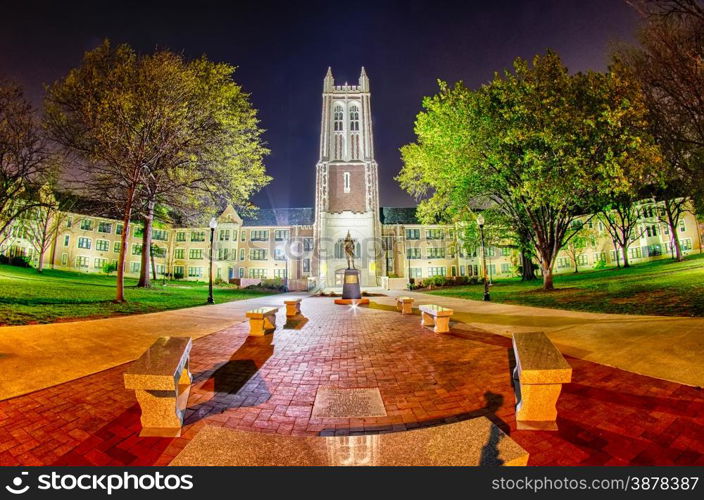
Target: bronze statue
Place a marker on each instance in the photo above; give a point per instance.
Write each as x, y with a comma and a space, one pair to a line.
349, 251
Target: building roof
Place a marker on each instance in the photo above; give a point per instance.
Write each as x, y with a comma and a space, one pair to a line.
280, 217
398, 215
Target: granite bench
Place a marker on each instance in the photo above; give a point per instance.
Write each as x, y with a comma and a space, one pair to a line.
475, 442
436, 316
539, 374
162, 381
405, 305
293, 307
262, 320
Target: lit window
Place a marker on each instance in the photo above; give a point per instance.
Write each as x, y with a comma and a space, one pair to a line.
338, 115
259, 235
354, 117
257, 254
346, 178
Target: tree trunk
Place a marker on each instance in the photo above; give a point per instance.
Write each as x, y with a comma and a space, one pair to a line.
576, 266
624, 250
144, 281
40, 264
547, 277
55, 241
527, 270
678, 248
153, 266
617, 253
120, 288
672, 223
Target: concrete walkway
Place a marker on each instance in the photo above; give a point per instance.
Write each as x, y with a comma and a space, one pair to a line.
669, 348
34, 357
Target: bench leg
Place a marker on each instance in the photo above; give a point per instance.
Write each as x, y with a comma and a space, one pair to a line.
256, 327
292, 310
186, 378
442, 324
536, 409
270, 322
426, 319
399, 306
407, 308
162, 411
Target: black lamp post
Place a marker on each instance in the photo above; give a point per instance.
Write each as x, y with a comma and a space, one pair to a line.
480, 222
213, 224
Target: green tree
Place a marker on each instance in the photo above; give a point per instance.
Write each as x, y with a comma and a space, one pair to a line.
217, 160
126, 118
542, 145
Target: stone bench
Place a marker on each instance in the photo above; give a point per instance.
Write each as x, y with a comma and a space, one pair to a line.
162, 381
405, 305
293, 307
471, 442
436, 316
539, 374
262, 320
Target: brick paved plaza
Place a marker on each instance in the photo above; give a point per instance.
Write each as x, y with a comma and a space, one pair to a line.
606, 416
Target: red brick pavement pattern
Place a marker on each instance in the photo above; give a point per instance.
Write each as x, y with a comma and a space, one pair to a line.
607, 416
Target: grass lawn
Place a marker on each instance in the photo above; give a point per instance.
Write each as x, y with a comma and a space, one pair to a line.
663, 287
29, 297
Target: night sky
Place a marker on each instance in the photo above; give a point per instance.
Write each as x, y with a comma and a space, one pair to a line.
282, 51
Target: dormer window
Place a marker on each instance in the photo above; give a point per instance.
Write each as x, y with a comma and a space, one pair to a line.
338, 117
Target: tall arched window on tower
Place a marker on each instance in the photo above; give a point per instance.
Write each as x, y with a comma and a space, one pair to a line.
346, 182
338, 117
354, 118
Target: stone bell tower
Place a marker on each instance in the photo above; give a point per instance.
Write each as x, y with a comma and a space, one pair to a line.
347, 185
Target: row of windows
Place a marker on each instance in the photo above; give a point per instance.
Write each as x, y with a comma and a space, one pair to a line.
430, 234
470, 270
227, 254
106, 227
104, 246
440, 252
198, 236
193, 271
83, 262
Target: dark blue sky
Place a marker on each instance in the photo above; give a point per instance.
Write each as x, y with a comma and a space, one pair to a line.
283, 50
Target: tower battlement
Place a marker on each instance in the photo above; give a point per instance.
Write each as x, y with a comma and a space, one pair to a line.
329, 83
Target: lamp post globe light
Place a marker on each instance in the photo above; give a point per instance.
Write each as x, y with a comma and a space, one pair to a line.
213, 224
480, 223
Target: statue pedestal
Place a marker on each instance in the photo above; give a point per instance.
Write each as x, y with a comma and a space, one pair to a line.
350, 286
351, 291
